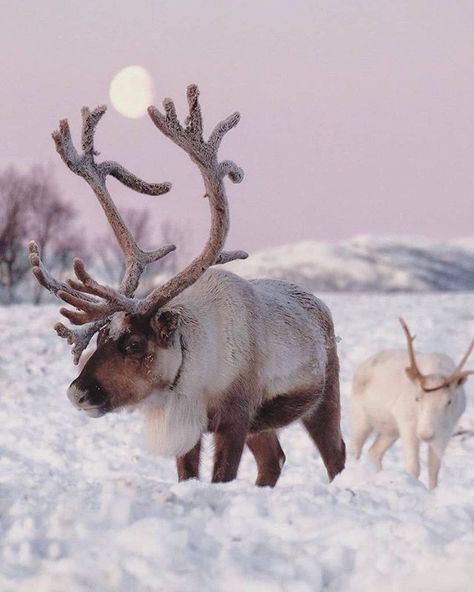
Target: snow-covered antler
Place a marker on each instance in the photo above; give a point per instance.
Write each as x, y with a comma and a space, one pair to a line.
95, 174
204, 154
95, 302
79, 337
45, 278
92, 312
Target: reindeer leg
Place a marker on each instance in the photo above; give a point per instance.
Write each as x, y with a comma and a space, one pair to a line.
188, 464
411, 451
324, 423
229, 445
229, 421
269, 456
323, 426
360, 429
434, 462
380, 446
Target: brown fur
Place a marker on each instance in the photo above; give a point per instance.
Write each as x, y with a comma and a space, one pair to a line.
126, 379
318, 407
284, 409
230, 421
323, 424
269, 456
265, 448
188, 464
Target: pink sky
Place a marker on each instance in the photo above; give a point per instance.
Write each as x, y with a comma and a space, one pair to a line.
357, 117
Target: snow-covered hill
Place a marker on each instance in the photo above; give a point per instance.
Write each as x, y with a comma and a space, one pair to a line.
84, 507
368, 264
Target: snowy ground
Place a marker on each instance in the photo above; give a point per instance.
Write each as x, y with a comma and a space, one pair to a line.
83, 506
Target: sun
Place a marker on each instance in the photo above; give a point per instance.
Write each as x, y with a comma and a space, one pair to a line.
131, 91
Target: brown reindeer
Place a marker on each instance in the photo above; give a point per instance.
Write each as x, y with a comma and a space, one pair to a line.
208, 350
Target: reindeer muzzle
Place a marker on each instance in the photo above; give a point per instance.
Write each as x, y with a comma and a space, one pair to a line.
94, 401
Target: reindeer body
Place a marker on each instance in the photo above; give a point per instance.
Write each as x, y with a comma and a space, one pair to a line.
206, 350
245, 358
388, 401
247, 341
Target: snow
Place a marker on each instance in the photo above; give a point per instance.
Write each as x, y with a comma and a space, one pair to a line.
84, 506
368, 264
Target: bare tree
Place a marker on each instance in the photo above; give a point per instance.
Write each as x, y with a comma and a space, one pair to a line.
13, 228
171, 232
111, 264
30, 203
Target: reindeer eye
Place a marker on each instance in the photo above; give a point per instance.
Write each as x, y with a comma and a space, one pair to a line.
135, 347
417, 399
449, 402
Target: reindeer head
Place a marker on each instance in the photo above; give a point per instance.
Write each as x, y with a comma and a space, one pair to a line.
135, 356
439, 397
139, 347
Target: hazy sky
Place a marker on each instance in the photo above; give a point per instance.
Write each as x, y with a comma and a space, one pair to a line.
357, 116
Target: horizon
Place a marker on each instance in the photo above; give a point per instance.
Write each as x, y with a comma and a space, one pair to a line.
374, 97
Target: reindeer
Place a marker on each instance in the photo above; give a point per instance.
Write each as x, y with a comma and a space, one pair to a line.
419, 403
207, 350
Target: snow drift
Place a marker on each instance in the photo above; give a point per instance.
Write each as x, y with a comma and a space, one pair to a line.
84, 507
368, 264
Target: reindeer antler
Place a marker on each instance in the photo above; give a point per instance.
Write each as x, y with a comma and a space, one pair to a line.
93, 312
204, 154
413, 369
95, 174
456, 375
96, 302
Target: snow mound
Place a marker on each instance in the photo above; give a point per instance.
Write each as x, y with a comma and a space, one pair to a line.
84, 507
368, 264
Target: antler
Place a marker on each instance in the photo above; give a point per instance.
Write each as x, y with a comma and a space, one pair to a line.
79, 338
204, 154
96, 302
93, 312
95, 174
45, 278
413, 369
456, 375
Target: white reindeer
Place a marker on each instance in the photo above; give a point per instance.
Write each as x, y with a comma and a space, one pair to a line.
207, 350
421, 402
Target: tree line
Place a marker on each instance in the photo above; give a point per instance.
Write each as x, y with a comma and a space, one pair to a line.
32, 207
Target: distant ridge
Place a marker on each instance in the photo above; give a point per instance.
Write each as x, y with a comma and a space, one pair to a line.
368, 264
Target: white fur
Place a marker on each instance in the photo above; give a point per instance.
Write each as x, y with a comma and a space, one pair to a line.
174, 424
387, 401
231, 327
117, 325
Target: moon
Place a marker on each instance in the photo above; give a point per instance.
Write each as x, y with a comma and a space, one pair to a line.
131, 91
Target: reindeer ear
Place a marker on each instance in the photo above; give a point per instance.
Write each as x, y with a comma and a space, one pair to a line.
164, 324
